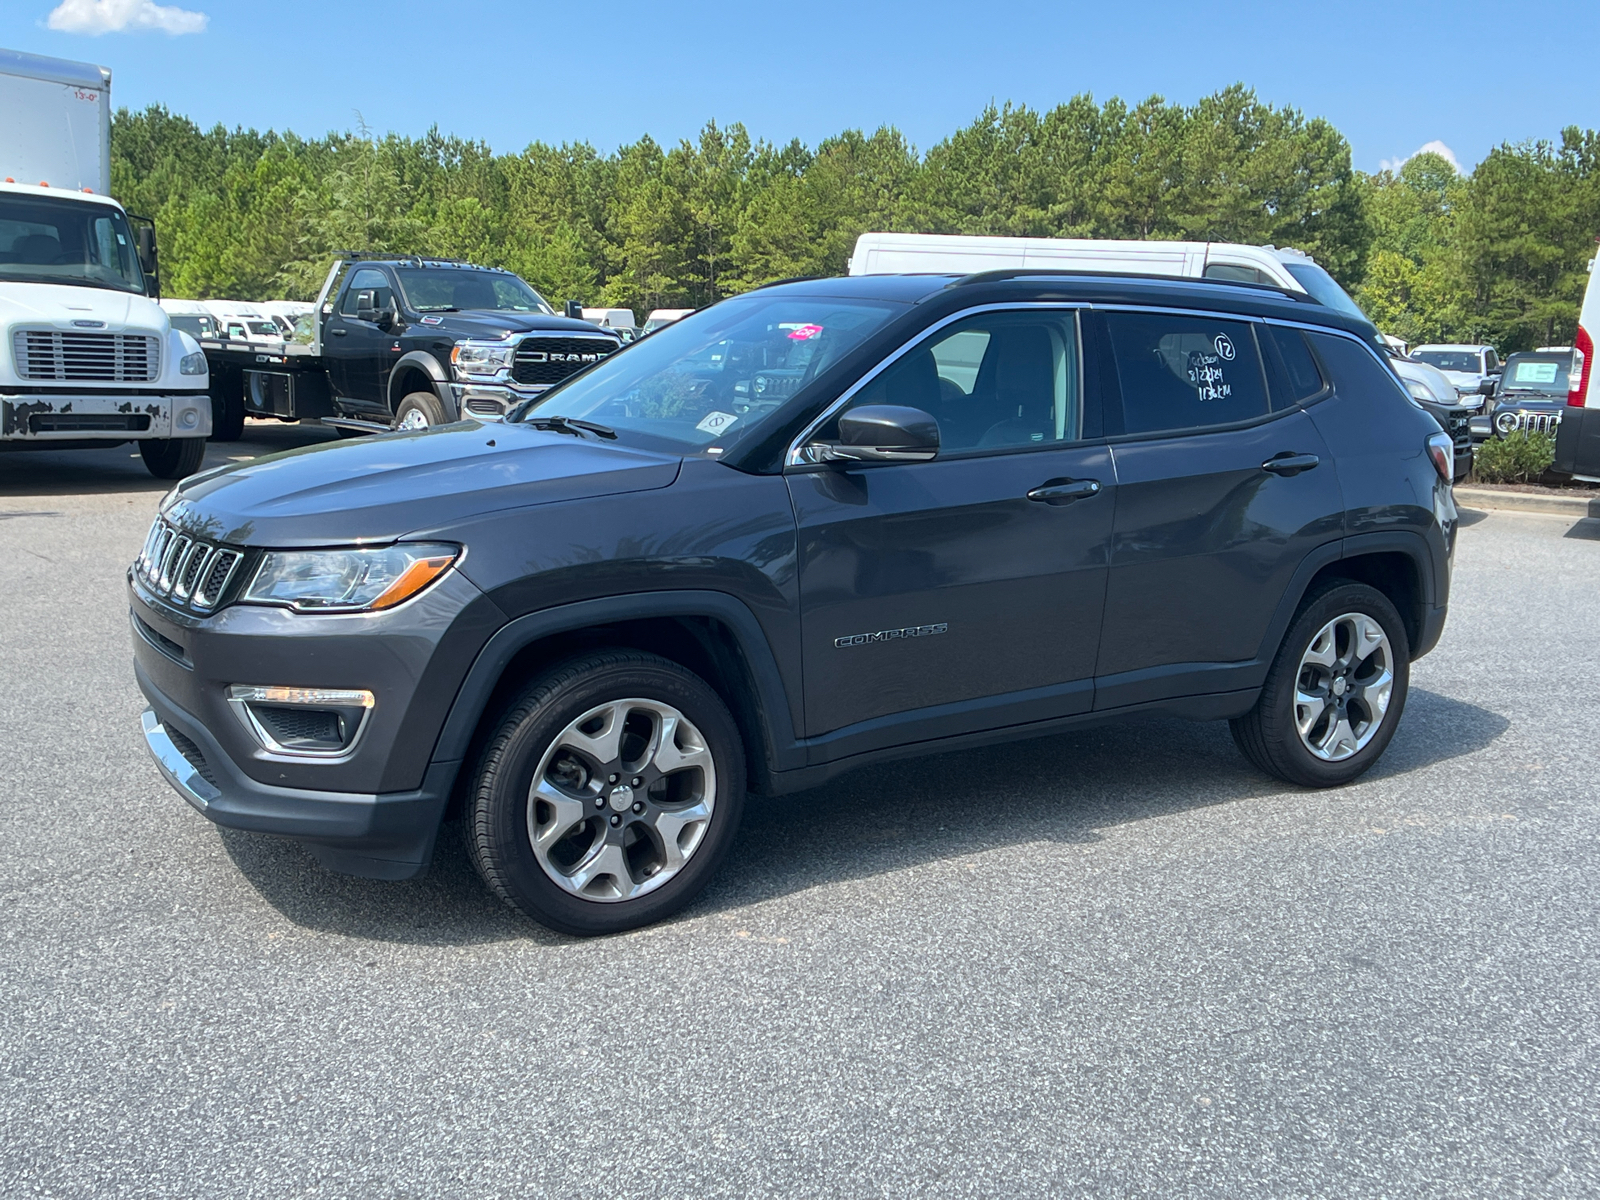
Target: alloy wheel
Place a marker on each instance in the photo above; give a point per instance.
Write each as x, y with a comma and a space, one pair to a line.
621, 801
414, 419
1344, 685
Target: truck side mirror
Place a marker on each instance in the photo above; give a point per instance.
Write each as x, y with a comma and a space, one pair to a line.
575, 309
1486, 388
367, 304
144, 244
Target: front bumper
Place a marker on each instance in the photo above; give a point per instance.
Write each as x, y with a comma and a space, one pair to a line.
44, 417
492, 401
373, 811
377, 835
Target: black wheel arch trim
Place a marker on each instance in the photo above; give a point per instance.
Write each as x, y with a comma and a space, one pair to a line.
438, 378
782, 750
1411, 544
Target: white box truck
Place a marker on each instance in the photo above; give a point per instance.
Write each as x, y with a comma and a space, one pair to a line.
88, 358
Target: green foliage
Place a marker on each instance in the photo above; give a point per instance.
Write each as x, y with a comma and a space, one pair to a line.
1520, 457
1499, 255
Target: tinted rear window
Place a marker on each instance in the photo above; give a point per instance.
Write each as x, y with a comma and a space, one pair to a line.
1303, 379
1185, 372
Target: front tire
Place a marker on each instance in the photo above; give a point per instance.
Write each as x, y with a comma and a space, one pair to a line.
1335, 692
419, 410
173, 458
608, 794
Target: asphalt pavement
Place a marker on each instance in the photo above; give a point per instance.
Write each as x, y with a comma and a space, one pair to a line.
1114, 962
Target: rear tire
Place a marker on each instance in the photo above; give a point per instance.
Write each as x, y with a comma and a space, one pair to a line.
419, 410
608, 794
1345, 658
173, 458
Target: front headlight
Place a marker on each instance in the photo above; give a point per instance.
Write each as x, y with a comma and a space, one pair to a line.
355, 580
482, 359
1420, 390
192, 364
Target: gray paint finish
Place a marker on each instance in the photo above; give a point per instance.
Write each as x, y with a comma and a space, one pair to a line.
1112, 962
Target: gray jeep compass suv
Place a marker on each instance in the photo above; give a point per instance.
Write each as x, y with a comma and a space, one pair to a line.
820, 524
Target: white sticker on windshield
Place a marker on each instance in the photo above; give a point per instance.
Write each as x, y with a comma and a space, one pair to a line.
1535, 372
716, 422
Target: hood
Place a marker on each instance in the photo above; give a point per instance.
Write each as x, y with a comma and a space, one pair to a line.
59, 305
1463, 379
490, 324
381, 488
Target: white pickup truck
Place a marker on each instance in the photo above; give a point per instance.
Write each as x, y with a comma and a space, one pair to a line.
87, 357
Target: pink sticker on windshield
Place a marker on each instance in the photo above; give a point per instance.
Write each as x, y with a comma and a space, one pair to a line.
801, 333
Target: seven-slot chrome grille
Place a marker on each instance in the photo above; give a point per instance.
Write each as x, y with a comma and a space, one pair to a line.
186, 571
54, 354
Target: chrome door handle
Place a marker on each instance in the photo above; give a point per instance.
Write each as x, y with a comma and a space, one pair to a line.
1064, 491
338, 332
1290, 464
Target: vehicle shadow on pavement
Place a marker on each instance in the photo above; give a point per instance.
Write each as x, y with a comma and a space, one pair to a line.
120, 469
1068, 787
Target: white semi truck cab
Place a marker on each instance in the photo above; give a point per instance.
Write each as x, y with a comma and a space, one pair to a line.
88, 358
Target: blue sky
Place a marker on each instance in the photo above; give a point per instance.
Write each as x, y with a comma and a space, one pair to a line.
1392, 77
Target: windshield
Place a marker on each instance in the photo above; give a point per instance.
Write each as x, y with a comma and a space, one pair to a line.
450, 289
200, 326
718, 375
1325, 289
44, 240
1451, 360
1543, 373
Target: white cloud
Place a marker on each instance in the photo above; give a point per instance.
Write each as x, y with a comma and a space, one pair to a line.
117, 16
1439, 148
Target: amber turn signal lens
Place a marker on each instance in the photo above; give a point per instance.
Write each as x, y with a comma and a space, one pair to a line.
413, 579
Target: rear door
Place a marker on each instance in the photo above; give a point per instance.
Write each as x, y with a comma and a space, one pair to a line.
1219, 500
964, 593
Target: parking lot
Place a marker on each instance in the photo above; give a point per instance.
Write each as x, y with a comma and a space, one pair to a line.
1109, 962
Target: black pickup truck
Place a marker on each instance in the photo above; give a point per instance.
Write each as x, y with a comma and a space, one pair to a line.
405, 343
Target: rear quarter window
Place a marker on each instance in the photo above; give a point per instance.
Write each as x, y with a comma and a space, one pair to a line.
1353, 369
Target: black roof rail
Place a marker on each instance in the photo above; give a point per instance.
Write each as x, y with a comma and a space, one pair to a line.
420, 260
1005, 274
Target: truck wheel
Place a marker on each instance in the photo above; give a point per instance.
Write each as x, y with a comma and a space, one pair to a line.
1335, 692
419, 410
173, 458
227, 417
608, 794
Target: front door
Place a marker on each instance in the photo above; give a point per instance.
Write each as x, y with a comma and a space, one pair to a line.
359, 351
1219, 501
938, 597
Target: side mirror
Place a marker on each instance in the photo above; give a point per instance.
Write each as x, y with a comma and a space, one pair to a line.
144, 246
880, 433
1486, 388
574, 309
386, 318
367, 305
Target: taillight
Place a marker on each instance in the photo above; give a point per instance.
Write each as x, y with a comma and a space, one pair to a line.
1443, 452
1582, 360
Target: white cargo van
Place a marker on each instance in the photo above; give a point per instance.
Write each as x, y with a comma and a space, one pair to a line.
935, 253
1578, 436
87, 356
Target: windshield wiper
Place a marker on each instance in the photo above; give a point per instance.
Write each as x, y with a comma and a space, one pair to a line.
573, 426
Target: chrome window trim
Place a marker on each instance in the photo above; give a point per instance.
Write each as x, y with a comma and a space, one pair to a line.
792, 457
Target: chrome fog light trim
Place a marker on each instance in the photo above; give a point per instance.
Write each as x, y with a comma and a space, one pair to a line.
348, 707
